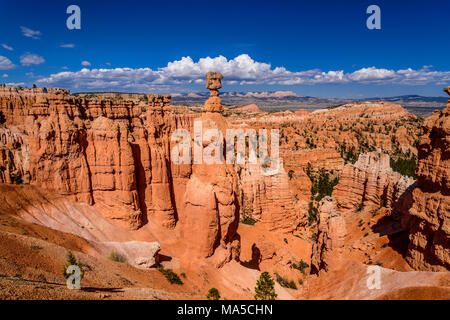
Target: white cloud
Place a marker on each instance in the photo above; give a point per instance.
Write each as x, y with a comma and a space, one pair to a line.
7, 47
67, 45
6, 64
240, 70
27, 32
5, 75
27, 59
15, 84
85, 63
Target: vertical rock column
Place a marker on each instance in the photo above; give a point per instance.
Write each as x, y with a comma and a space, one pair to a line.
159, 197
211, 213
429, 246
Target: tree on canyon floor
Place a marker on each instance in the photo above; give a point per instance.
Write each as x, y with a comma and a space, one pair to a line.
72, 261
213, 294
265, 287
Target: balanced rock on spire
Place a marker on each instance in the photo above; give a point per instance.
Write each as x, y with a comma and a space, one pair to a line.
213, 83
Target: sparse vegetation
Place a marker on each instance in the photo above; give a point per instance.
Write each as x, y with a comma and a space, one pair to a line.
285, 282
322, 183
171, 276
360, 207
213, 294
291, 174
265, 288
404, 166
301, 266
249, 220
312, 213
118, 257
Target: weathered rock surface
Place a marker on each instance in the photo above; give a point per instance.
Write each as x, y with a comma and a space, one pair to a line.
430, 213
211, 214
328, 249
370, 183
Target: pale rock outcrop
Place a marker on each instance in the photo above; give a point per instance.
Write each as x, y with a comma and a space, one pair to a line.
371, 183
327, 251
269, 199
140, 254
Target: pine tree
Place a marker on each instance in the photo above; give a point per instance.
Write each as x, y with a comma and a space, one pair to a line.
213, 294
71, 260
265, 287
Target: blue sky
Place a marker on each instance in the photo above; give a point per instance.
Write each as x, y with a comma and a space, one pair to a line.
317, 48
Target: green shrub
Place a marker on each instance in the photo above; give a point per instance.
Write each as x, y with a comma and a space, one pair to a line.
248, 220
265, 288
360, 207
291, 174
72, 261
116, 256
171, 276
301, 266
285, 282
213, 294
322, 185
312, 214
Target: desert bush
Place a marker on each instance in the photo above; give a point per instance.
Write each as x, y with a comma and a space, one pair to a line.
118, 257
171, 276
248, 220
284, 282
301, 266
213, 294
265, 288
72, 261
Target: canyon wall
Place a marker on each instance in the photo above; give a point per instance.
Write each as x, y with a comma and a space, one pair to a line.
370, 183
429, 217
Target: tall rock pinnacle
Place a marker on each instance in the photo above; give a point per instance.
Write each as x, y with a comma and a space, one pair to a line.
213, 83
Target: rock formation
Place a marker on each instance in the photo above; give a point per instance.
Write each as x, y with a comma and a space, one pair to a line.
430, 213
211, 213
370, 183
328, 249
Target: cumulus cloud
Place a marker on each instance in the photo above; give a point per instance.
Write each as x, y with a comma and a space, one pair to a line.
240, 70
7, 47
27, 59
27, 32
6, 64
85, 63
5, 75
67, 45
